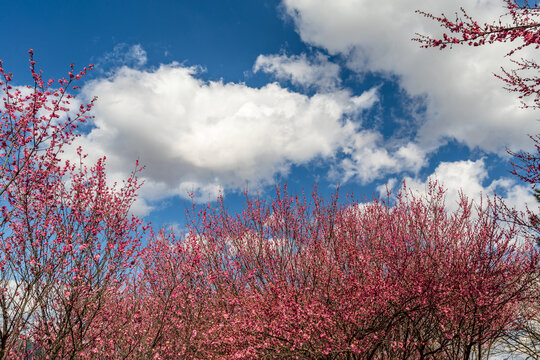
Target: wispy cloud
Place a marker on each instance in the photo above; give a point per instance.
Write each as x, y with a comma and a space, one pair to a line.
368, 158
314, 72
133, 56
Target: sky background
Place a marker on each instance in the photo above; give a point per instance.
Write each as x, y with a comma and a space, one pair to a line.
226, 95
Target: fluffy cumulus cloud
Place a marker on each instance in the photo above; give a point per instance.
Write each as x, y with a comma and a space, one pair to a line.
464, 100
316, 72
200, 137
470, 177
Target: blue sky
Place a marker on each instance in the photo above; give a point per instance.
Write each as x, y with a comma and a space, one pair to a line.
219, 95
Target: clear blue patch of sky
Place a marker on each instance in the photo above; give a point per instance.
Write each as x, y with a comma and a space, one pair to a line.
223, 37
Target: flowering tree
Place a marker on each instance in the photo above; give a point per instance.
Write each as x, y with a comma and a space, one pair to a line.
66, 238
303, 279
168, 311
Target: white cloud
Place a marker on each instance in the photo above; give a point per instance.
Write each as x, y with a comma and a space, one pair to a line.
315, 72
469, 177
137, 54
202, 137
368, 159
464, 100
122, 55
